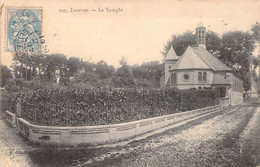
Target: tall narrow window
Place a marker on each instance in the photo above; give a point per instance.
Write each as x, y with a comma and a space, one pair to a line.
204, 77
200, 76
172, 78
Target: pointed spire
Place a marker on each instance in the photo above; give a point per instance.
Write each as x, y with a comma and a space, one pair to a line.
171, 55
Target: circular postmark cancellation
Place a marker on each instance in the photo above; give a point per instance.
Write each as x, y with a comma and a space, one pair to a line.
27, 40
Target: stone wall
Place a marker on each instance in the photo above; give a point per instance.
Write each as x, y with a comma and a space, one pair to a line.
10, 118
236, 97
79, 135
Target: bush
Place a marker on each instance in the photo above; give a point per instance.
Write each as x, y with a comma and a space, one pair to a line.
5, 100
95, 106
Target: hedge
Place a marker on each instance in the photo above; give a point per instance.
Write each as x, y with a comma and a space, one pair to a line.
106, 106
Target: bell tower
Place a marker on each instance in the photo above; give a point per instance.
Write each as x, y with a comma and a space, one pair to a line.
201, 35
169, 61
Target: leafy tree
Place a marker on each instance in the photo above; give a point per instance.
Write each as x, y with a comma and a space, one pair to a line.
213, 43
5, 74
74, 65
85, 80
123, 77
236, 52
256, 31
182, 41
57, 69
104, 70
148, 74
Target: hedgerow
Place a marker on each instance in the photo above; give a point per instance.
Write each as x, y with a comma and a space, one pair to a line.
99, 106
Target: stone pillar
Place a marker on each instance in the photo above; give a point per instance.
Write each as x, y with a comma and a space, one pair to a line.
230, 96
18, 107
226, 92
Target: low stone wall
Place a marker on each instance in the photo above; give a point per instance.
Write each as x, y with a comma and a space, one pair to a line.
236, 97
224, 101
11, 118
103, 133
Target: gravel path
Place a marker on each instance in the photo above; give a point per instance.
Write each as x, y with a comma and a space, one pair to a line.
14, 147
228, 139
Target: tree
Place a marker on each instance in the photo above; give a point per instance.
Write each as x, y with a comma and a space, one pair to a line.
28, 66
74, 65
85, 79
57, 69
255, 29
5, 74
236, 52
123, 78
104, 70
256, 60
213, 43
148, 74
182, 41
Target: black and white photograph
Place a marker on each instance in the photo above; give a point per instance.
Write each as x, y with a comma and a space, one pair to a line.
129, 83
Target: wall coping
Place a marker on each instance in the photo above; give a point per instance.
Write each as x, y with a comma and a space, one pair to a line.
8, 112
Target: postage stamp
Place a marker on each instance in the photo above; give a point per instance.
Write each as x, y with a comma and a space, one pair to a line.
24, 29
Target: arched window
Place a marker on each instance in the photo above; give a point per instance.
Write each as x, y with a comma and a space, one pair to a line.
199, 76
204, 77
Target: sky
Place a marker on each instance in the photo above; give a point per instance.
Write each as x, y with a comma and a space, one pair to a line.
138, 32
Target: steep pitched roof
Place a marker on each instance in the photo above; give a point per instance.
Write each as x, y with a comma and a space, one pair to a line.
190, 60
199, 58
171, 55
211, 60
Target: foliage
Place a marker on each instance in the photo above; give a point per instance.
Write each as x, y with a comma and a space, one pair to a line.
86, 79
180, 43
6, 101
105, 105
5, 74
213, 43
104, 70
256, 31
236, 52
74, 65
147, 75
123, 78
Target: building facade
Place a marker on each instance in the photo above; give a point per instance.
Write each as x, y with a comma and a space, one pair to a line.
198, 68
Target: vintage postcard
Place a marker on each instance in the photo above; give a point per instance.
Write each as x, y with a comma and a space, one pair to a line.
129, 83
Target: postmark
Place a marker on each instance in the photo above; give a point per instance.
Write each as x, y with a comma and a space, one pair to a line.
24, 30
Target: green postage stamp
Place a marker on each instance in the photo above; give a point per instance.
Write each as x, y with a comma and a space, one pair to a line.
24, 29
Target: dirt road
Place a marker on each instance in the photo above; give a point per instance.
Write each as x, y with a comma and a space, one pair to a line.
226, 138
231, 138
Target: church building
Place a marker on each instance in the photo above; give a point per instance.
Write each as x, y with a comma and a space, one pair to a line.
198, 68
